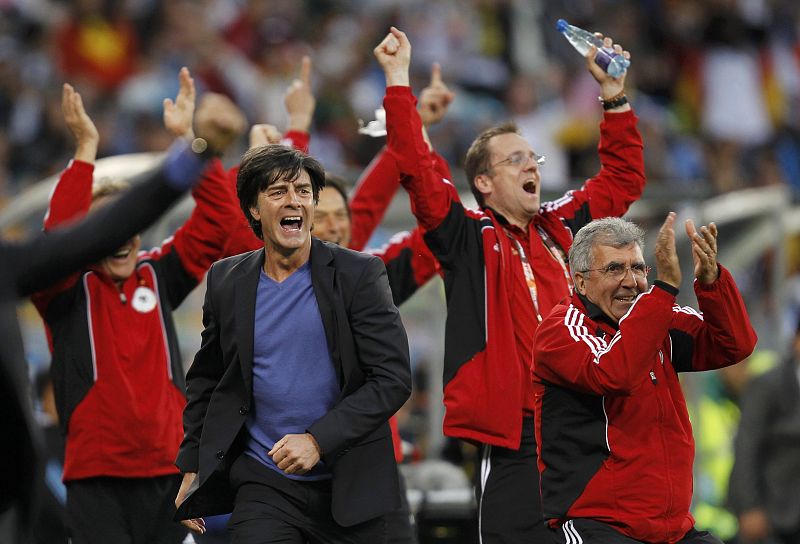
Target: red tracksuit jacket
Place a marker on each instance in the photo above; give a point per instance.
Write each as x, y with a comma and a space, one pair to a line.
117, 369
486, 381
613, 433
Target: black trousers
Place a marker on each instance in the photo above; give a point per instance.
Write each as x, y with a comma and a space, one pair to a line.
271, 508
400, 525
507, 493
124, 511
579, 531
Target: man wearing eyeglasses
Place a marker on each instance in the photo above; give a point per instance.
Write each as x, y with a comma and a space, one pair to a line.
505, 269
615, 442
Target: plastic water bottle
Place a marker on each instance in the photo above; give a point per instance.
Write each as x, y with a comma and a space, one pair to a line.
582, 40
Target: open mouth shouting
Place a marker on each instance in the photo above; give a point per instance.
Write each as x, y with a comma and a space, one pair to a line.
292, 223
530, 186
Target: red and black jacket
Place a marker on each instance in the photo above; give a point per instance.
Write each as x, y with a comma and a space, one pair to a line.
614, 439
117, 369
485, 379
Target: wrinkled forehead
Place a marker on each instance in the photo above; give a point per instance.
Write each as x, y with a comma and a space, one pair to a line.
603, 255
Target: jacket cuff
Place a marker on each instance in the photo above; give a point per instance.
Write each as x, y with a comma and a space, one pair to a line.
182, 166
666, 287
81, 166
722, 271
188, 460
620, 118
399, 90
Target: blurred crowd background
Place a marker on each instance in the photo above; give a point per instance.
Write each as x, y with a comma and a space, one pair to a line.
715, 83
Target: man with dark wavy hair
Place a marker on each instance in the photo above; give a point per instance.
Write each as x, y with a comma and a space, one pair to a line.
303, 360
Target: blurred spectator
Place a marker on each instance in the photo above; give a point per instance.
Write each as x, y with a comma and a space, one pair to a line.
716, 413
766, 476
502, 56
97, 43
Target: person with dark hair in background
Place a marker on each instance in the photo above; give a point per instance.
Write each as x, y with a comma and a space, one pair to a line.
31, 265
765, 479
504, 269
117, 369
614, 439
303, 360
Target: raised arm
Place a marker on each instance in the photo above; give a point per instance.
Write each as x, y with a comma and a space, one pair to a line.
434, 101
72, 194
432, 196
722, 335
202, 238
179, 114
379, 182
299, 100
621, 179
37, 263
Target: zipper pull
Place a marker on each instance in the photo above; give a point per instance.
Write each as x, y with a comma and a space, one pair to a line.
653, 377
122, 298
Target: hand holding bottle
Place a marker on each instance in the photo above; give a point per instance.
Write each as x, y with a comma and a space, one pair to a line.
607, 62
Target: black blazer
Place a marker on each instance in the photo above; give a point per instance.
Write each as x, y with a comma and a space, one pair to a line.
368, 345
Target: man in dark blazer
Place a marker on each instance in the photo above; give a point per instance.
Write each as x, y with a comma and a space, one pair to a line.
303, 360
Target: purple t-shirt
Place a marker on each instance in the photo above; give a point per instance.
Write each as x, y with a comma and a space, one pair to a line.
294, 381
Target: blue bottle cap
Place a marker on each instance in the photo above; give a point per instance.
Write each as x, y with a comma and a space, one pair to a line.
561, 25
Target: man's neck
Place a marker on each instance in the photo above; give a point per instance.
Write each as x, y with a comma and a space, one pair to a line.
279, 265
519, 222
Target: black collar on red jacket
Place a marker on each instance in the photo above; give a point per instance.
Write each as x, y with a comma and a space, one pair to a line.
594, 312
513, 229
598, 316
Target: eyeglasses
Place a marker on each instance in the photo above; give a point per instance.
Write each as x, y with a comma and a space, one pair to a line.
520, 158
617, 271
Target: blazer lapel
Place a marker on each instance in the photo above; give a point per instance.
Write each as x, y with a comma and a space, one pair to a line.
245, 292
322, 278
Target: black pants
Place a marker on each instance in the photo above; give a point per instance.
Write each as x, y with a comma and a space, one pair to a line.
124, 511
507, 491
578, 531
400, 526
271, 508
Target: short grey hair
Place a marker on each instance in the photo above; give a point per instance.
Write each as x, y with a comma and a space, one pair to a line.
609, 231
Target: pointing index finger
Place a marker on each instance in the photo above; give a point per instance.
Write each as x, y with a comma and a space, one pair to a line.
436, 74
305, 70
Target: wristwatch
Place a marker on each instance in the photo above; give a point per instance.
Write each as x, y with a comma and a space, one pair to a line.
613, 102
201, 148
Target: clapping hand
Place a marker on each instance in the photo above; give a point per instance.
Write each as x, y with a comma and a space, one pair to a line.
704, 251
